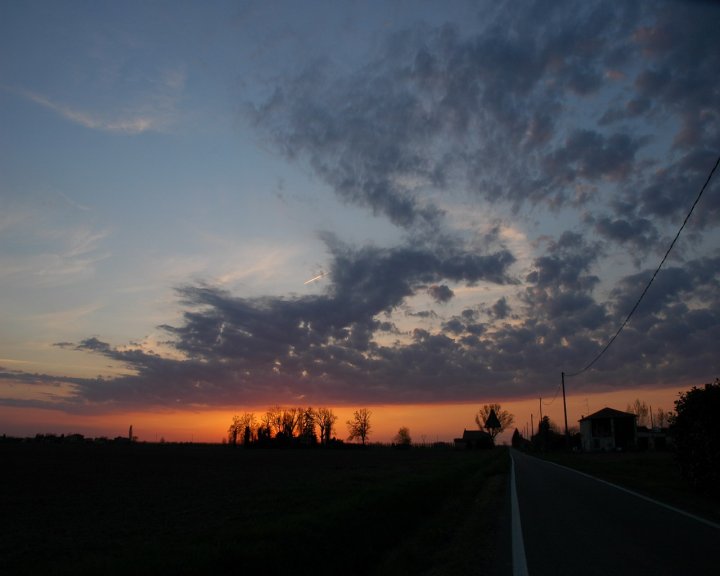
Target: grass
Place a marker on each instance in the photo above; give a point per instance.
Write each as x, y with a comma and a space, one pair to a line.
653, 474
193, 509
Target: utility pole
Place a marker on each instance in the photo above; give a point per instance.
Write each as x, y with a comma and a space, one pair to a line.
567, 436
532, 426
540, 413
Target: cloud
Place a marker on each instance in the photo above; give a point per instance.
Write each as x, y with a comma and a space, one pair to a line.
130, 124
501, 309
267, 350
601, 116
537, 107
41, 245
441, 293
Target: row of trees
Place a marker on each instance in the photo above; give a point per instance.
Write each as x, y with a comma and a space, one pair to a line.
303, 425
309, 425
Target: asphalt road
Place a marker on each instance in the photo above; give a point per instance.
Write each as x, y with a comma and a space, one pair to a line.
576, 525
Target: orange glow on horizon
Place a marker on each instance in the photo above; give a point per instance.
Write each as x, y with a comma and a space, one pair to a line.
427, 423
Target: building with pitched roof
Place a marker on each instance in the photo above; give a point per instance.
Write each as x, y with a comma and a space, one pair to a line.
608, 429
474, 439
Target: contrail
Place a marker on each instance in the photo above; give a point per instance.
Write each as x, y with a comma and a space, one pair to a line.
315, 278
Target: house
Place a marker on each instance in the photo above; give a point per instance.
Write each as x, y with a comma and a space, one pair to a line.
473, 439
608, 429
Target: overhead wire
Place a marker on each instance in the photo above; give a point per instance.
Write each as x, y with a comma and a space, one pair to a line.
647, 287
557, 390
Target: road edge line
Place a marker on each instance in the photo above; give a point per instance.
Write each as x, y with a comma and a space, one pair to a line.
642, 496
519, 561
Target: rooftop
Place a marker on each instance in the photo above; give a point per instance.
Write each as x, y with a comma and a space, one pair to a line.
608, 413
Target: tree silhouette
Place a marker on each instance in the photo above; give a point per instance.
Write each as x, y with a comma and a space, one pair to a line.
272, 421
244, 427
697, 436
641, 410
359, 426
326, 421
234, 430
402, 438
505, 419
306, 424
516, 441
289, 421
661, 418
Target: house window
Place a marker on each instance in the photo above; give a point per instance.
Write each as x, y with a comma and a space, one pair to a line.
601, 428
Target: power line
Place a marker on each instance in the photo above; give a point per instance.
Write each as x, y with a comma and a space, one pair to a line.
553, 398
599, 355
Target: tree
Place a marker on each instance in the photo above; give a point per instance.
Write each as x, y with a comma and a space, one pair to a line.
546, 426
548, 437
325, 421
505, 419
234, 430
661, 418
359, 426
517, 439
306, 424
244, 427
272, 421
641, 410
697, 436
402, 438
289, 420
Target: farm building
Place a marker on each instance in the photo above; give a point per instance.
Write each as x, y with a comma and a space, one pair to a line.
472, 439
608, 429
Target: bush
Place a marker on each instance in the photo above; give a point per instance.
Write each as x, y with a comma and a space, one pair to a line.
697, 436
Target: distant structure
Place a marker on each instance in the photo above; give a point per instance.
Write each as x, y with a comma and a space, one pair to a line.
474, 439
130, 436
608, 429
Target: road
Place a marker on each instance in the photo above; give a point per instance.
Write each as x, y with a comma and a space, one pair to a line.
576, 525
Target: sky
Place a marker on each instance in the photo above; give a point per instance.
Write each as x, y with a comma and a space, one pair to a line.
417, 207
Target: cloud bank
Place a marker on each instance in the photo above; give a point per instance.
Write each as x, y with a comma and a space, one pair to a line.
601, 116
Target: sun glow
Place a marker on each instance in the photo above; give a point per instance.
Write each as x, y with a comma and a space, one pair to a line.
427, 423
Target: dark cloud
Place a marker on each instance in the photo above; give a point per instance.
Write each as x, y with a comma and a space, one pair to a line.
496, 113
422, 313
440, 293
566, 264
501, 309
270, 350
590, 155
630, 229
93, 345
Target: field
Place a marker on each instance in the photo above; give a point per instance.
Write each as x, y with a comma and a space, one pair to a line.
202, 509
654, 474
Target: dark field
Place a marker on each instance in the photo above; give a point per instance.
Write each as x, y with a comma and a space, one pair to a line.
194, 509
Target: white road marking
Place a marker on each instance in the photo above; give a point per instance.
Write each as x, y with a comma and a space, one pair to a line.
628, 491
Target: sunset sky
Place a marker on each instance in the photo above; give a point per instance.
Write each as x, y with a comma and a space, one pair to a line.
416, 207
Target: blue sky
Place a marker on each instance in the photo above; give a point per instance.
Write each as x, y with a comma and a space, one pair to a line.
482, 189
